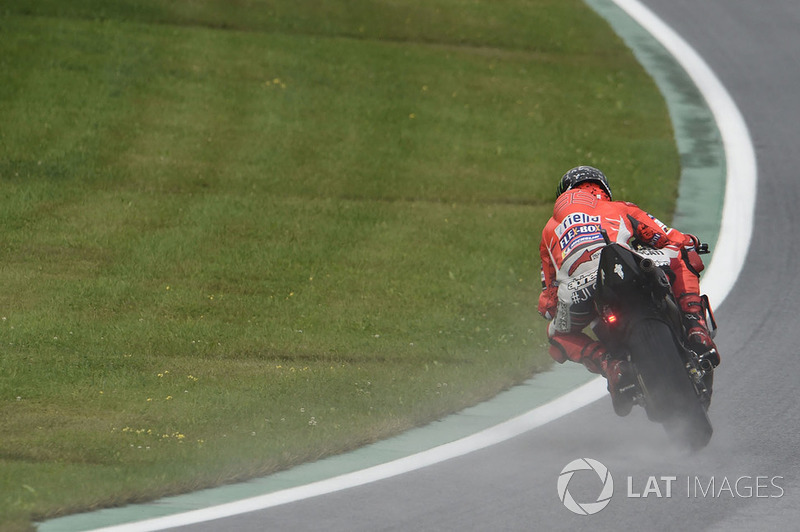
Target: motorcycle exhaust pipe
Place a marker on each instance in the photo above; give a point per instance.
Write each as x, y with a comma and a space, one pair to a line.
650, 268
705, 365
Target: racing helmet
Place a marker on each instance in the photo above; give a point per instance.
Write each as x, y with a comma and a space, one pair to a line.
582, 174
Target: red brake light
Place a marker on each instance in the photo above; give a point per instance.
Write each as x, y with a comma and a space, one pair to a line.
609, 317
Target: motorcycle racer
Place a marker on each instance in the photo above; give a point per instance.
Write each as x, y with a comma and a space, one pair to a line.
570, 253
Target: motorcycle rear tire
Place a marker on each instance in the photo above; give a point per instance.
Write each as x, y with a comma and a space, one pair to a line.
670, 396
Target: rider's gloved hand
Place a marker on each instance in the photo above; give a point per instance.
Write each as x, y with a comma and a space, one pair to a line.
548, 302
691, 242
690, 247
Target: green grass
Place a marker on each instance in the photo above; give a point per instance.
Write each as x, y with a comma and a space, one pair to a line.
238, 236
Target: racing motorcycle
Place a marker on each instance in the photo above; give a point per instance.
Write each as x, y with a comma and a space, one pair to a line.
641, 322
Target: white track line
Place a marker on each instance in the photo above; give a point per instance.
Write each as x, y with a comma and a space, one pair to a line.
729, 254
579, 397
736, 228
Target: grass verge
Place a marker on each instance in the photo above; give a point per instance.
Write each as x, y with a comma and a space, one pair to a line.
238, 237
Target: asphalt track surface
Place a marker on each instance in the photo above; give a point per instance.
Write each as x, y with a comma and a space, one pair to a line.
748, 478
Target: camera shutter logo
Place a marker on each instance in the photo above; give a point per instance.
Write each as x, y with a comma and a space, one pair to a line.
585, 508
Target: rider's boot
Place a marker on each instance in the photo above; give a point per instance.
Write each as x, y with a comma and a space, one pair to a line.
591, 353
620, 384
617, 373
697, 333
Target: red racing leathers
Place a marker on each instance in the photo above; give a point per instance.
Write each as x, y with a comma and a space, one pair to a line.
570, 253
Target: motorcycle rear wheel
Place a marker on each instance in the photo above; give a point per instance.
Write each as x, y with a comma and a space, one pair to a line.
670, 396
